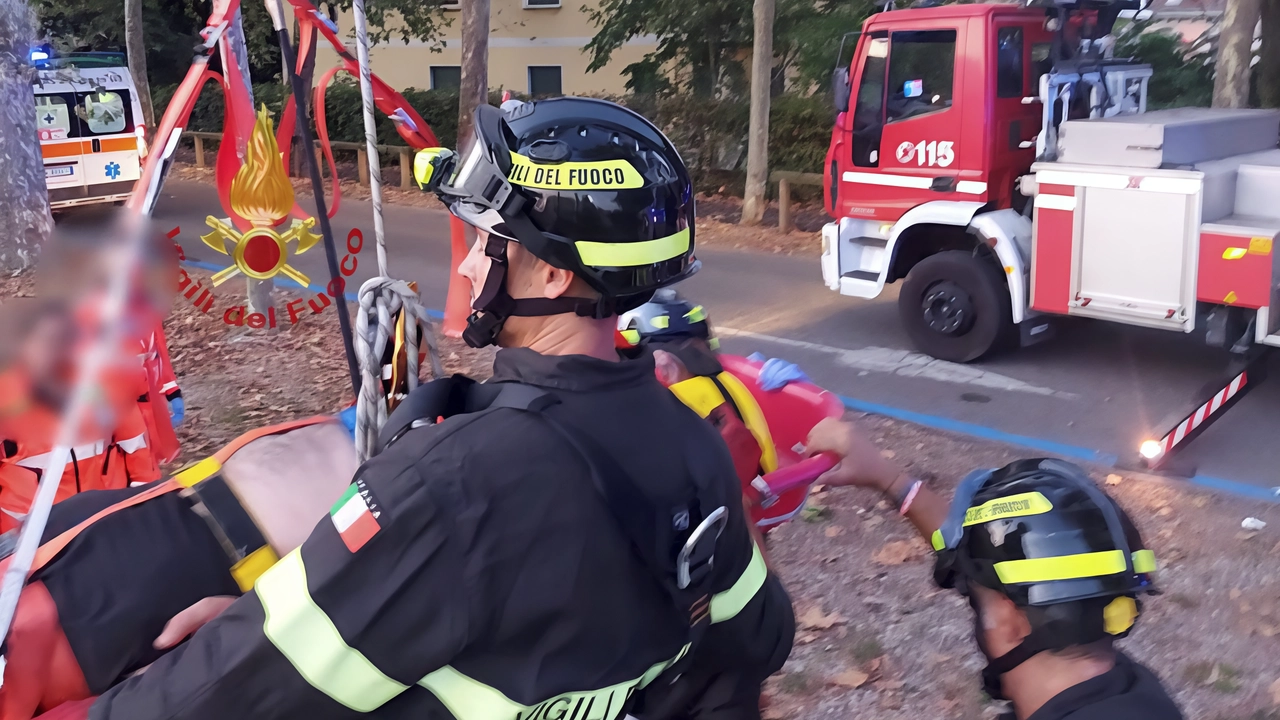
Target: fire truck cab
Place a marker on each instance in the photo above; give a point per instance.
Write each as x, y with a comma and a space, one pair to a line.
1000, 162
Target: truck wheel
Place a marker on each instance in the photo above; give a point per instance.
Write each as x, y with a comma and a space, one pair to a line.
955, 306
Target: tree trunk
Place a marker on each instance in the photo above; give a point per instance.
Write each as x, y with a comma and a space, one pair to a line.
1269, 64
25, 222
755, 199
1235, 41
136, 49
474, 89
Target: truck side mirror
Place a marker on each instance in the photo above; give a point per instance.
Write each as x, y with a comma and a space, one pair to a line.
840, 88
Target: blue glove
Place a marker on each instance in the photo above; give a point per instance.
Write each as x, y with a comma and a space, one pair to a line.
777, 373
348, 418
177, 411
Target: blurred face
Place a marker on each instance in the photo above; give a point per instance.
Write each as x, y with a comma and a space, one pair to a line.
46, 354
527, 277
1001, 625
669, 368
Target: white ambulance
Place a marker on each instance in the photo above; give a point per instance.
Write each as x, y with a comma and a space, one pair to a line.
92, 133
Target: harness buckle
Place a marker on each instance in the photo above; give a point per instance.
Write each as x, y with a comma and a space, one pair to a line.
767, 496
697, 557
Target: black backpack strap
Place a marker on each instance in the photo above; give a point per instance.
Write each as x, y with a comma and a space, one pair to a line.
675, 540
444, 397
458, 395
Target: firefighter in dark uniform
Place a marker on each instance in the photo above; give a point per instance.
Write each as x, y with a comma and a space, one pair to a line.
119, 571
1052, 567
558, 542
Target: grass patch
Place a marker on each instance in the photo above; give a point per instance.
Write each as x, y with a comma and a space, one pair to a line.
815, 513
866, 649
1221, 677
796, 683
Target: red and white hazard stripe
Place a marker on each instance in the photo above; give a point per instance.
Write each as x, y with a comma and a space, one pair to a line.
1202, 413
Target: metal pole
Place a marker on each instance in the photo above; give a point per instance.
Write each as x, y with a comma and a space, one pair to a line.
370, 132
336, 287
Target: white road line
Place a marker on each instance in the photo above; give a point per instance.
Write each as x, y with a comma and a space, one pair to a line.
908, 364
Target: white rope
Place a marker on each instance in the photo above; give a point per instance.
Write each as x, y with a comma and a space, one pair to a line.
370, 131
380, 299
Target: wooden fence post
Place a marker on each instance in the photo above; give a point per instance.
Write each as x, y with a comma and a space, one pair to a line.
199, 151
319, 158
362, 165
784, 205
406, 168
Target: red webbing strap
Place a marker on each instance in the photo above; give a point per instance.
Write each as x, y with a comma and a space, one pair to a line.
322, 134
223, 455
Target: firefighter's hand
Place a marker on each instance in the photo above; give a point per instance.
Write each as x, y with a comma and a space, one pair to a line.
191, 620
861, 463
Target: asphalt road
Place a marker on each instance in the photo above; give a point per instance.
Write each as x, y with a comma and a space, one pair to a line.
1096, 390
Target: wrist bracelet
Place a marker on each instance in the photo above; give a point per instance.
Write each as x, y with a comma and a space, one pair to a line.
910, 497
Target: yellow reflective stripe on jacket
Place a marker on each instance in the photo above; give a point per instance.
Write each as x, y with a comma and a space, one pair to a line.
937, 542
305, 635
632, 254
702, 396
470, 699
726, 605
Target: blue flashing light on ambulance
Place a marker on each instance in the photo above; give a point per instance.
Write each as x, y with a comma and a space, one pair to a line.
90, 124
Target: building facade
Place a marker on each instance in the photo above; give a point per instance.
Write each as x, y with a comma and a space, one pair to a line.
535, 47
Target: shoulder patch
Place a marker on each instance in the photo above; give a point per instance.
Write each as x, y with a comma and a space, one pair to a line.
356, 516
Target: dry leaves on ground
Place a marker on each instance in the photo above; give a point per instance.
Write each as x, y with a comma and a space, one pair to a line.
851, 679
816, 619
898, 552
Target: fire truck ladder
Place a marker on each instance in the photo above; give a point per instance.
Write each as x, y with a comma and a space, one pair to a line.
1245, 372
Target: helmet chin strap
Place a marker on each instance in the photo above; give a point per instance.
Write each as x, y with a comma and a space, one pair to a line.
494, 304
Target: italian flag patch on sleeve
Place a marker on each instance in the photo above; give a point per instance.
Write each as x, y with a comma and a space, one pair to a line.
356, 516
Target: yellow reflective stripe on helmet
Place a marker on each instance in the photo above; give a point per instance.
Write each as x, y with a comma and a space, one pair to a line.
201, 470
726, 605
937, 542
1144, 561
753, 418
696, 315
302, 632
631, 336
1063, 567
595, 175
632, 254
1021, 505
661, 322
470, 699
424, 165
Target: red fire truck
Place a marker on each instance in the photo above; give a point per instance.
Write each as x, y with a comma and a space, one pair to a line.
1000, 162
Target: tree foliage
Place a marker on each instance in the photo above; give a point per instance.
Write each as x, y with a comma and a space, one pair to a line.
704, 42
172, 27
1182, 72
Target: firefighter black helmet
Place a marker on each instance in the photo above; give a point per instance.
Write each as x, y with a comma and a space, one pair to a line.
666, 317
587, 186
1044, 535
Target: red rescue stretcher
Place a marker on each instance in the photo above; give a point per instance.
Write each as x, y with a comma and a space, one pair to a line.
791, 413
